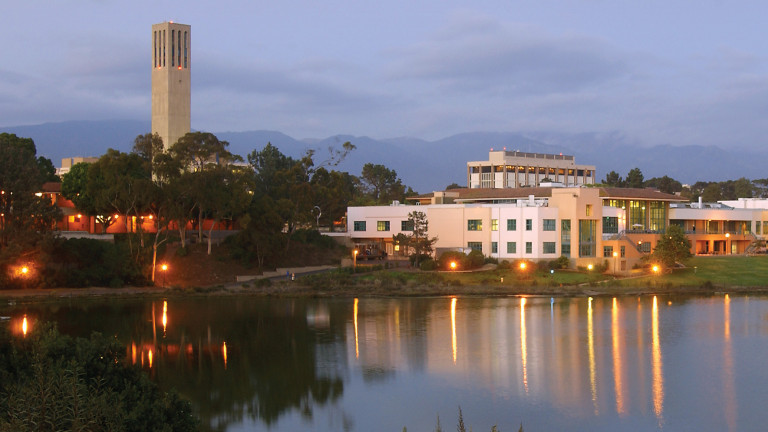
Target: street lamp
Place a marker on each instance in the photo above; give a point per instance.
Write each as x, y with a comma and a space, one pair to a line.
453, 265
354, 259
655, 269
164, 268
589, 267
615, 255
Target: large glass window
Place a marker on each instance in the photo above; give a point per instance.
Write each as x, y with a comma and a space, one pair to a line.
478, 246
549, 247
382, 226
474, 225
549, 225
494, 224
637, 215
610, 225
511, 247
511, 224
587, 240
565, 237
658, 214
359, 225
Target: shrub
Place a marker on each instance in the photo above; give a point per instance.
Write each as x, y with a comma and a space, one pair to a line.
475, 259
453, 256
417, 259
561, 263
428, 265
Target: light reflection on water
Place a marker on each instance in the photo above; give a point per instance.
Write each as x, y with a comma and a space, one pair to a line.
630, 363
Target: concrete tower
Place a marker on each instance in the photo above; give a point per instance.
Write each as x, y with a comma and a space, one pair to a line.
171, 83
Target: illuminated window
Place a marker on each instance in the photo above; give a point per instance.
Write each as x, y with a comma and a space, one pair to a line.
474, 225
608, 251
382, 226
494, 224
589, 210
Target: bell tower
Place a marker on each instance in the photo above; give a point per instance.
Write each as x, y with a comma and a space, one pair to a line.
171, 83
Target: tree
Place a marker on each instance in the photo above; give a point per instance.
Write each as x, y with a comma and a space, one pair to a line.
24, 215
454, 186
83, 188
381, 183
713, 192
664, 184
613, 179
224, 193
673, 246
419, 240
634, 178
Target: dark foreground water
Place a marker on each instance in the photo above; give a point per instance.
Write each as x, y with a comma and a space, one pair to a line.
631, 364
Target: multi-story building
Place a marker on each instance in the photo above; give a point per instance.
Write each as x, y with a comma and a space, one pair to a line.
588, 225
512, 169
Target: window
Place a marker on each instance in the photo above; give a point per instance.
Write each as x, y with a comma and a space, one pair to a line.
478, 246
608, 251
757, 227
494, 247
528, 247
589, 210
587, 240
359, 225
565, 237
494, 224
645, 247
474, 225
623, 251
511, 247
511, 224
549, 225
658, 215
406, 225
610, 225
529, 224
382, 226
549, 247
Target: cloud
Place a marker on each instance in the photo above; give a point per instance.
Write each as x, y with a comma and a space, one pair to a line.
481, 54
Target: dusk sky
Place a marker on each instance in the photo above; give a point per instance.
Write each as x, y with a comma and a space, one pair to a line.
660, 72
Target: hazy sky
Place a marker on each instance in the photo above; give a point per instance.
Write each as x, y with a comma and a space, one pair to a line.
661, 72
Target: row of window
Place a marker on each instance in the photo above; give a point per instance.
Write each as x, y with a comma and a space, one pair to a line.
406, 225
546, 247
530, 170
477, 225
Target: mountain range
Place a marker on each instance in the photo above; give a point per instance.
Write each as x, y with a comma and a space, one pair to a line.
426, 165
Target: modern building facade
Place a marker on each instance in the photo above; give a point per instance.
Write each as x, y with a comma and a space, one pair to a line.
512, 169
617, 226
171, 81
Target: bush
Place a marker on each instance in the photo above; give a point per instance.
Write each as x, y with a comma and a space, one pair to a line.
428, 265
417, 259
561, 263
65, 384
453, 256
475, 259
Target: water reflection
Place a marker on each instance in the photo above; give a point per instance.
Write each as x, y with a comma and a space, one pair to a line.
379, 364
656, 366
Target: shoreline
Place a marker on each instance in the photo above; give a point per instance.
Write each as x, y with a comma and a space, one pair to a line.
298, 290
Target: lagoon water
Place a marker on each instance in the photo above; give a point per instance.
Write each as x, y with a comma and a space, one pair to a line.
630, 363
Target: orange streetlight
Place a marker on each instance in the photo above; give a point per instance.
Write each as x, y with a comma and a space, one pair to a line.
615, 255
453, 265
655, 269
522, 266
164, 268
354, 259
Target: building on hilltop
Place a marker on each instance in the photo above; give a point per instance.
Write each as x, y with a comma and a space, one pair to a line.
513, 169
171, 81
